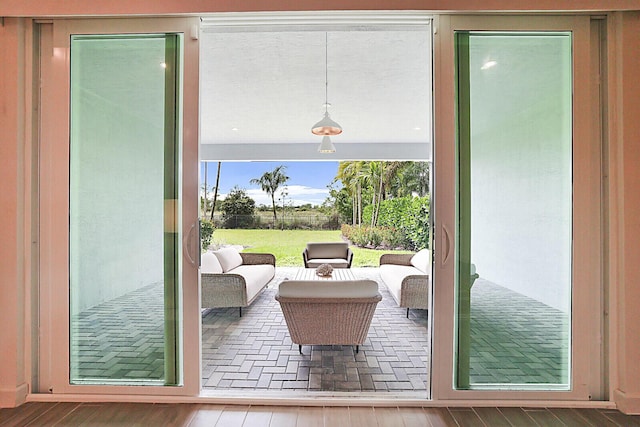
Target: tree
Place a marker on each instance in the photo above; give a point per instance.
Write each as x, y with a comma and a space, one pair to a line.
238, 209
269, 182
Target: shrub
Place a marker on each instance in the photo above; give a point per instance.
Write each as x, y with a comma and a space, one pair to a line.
206, 233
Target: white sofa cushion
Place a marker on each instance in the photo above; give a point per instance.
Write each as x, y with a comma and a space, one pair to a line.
335, 262
209, 263
393, 274
422, 261
328, 289
256, 277
229, 258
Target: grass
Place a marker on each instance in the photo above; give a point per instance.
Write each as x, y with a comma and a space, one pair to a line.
287, 245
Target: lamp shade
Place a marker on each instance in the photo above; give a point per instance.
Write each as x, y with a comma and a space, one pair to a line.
326, 146
326, 126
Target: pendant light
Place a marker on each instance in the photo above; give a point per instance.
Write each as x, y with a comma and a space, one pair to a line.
326, 126
326, 146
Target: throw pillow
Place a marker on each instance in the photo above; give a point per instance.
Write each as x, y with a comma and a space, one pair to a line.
422, 261
229, 258
209, 263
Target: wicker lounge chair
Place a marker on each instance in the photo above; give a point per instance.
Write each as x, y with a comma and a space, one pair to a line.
328, 312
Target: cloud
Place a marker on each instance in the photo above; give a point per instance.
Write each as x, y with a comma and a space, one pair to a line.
296, 195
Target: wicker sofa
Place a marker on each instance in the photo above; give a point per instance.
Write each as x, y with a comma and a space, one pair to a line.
407, 278
337, 254
231, 279
337, 313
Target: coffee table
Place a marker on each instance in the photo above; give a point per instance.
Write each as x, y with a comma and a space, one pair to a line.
337, 274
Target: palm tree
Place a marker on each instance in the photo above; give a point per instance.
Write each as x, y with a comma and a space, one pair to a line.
353, 176
269, 182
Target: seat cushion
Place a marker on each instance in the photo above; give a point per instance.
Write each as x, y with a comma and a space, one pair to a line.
328, 289
209, 263
392, 276
256, 277
229, 258
334, 262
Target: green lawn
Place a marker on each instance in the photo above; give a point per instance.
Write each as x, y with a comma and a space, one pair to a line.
287, 245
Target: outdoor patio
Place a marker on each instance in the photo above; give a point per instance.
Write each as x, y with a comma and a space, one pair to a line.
514, 339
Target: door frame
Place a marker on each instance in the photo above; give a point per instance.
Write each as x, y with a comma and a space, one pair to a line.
586, 372
54, 354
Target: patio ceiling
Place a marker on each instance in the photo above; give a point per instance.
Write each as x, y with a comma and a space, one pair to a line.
262, 88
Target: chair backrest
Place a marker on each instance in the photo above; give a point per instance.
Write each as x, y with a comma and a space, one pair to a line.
328, 289
327, 250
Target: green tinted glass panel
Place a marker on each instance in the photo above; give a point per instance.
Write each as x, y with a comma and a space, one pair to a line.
515, 210
123, 210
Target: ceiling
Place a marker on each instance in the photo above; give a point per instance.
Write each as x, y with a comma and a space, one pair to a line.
267, 86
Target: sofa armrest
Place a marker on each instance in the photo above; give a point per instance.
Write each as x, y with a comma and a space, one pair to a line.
305, 257
249, 258
349, 257
398, 259
223, 290
415, 291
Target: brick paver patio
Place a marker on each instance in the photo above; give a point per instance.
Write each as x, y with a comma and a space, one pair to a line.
514, 339
256, 352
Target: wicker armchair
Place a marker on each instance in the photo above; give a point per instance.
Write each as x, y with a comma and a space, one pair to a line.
336, 254
238, 287
329, 313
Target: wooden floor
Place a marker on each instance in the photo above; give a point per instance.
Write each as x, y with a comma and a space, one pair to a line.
140, 414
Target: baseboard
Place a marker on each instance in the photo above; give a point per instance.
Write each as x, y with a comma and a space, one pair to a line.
628, 403
10, 398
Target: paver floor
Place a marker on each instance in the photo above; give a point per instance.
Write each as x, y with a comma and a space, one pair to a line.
514, 339
255, 351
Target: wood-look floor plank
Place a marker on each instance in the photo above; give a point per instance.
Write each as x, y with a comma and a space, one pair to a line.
466, 417
54, 415
544, 418
258, 416
24, 414
122, 414
414, 417
82, 415
440, 417
284, 416
206, 415
571, 417
336, 416
362, 416
596, 417
232, 416
620, 418
492, 417
312, 416
388, 417
174, 415
517, 417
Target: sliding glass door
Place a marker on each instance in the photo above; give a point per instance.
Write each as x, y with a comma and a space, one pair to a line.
517, 276
125, 209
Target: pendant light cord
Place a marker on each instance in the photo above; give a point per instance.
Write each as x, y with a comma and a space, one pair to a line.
326, 72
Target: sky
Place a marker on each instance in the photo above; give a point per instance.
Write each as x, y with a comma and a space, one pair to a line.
307, 182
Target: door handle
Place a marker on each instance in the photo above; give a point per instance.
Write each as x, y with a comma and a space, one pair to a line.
446, 245
188, 243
